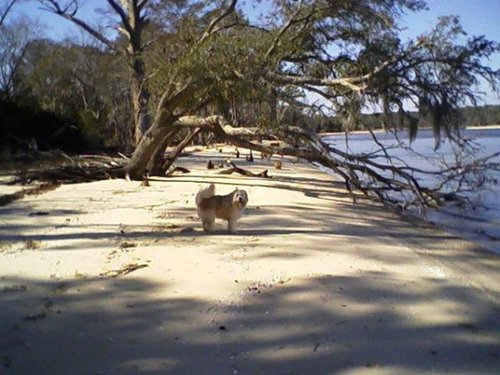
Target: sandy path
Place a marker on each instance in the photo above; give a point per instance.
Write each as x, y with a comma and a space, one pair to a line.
310, 285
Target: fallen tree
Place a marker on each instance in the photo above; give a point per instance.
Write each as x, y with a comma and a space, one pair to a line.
397, 186
363, 173
347, 53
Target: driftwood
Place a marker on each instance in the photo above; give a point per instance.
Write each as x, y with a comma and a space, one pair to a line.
244, 172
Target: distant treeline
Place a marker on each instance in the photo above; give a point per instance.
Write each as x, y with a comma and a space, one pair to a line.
25, 127
471, 116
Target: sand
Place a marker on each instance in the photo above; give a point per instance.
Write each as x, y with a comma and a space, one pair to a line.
114, 277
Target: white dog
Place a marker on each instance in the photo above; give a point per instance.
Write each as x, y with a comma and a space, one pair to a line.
228, 207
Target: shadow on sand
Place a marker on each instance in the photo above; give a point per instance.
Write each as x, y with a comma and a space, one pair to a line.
321, 326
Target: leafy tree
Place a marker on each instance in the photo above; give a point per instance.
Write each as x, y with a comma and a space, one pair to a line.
350, 54
208, 59
78, 82
131, 20
354, 57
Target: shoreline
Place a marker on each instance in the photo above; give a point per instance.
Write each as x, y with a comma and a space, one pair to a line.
470, 128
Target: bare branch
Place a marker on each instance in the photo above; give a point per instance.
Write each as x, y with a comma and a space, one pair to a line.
53, 6
211, 27
123, 16
355, 84
6, 10
291, 21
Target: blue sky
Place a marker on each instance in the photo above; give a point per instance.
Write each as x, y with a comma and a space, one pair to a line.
478, 17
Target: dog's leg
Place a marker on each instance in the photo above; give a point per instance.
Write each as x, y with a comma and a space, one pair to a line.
207, 226
231, 225
208, 221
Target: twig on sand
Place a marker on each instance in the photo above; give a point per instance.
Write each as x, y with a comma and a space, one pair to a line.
125, 270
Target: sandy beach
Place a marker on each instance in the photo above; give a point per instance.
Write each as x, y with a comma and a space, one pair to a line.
114, 277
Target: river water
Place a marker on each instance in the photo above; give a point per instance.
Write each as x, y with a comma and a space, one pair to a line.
480, 221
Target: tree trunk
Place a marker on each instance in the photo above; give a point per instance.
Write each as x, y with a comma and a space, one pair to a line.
155, 164
139, 91
147, 146
140, 99
180, 147
165, 121
133, 19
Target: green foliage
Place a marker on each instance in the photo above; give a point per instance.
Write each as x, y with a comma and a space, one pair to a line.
229, 63
81, 83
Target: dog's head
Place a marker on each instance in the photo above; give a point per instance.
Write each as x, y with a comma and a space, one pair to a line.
240, 198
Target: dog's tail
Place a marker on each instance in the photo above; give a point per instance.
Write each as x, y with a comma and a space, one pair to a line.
205, 193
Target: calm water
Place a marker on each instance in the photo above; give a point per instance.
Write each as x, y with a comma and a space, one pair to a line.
479, 222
